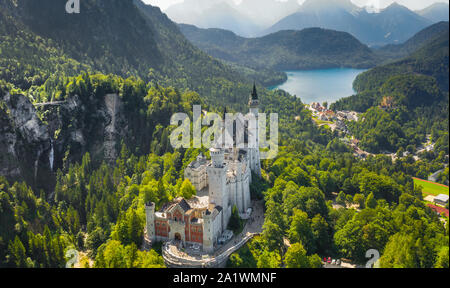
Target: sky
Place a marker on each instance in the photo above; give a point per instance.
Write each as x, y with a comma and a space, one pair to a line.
411, 4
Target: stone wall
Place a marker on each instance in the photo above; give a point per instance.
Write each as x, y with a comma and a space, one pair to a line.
219, 261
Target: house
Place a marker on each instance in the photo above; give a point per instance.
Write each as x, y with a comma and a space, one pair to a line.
441, 199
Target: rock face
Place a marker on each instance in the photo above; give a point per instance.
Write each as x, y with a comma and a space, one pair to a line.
94, 125
112, 133
25, 141
32, 149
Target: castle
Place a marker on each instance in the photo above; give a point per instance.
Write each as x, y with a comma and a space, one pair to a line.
227, 177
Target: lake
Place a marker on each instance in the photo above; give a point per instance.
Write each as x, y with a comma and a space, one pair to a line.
320, 85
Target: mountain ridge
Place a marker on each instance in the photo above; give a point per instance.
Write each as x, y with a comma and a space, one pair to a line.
284, 50
437, 12
394, 24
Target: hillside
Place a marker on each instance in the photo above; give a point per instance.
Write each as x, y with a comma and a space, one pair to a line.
436, 12
285, 50
431, 60
413, 44
403, 102
126, 38
394, 24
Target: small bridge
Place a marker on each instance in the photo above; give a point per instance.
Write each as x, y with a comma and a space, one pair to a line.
56, 103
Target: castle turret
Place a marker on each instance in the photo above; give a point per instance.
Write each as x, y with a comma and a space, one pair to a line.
208, 232
217, 157
150, 221
217, 175
254, 102
254, 157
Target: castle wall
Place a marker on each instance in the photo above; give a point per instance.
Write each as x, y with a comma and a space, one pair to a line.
198, 177
150, 221
217, 227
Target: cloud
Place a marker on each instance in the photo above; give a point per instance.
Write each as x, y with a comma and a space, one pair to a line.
412, 4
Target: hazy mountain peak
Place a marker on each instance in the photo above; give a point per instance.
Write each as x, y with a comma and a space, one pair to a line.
436, 12
320, 5
396, 7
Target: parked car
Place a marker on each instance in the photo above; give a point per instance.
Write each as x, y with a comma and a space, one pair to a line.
338, 262
333, 262
329, 260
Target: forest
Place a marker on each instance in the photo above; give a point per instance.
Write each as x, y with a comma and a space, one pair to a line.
404, 101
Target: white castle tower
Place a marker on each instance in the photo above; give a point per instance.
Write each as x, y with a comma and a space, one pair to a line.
217, 176
150, 221
208, 232
254, 157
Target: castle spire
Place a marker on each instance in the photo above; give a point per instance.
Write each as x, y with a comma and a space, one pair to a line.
254, 93
254, 102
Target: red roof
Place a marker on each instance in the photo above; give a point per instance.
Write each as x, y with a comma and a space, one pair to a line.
439, 209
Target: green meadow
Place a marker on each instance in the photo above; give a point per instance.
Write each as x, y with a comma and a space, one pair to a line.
431, 188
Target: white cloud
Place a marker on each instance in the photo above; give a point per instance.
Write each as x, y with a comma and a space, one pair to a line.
412, 4
163, 4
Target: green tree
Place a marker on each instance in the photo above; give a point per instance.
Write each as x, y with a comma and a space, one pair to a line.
296, 257
442, 258
272, 235
359, 199
301, 230
17, 253
371, 202
341, 198
235, 222
269, 259
187, 190
321, 234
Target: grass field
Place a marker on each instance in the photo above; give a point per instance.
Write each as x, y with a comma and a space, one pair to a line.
320, 122
431, 188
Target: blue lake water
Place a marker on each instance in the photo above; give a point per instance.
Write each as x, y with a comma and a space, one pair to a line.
320, 85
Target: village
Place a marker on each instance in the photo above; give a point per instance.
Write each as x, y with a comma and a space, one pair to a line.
337, 121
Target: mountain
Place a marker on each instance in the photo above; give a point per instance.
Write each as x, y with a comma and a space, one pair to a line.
285, 50
213, 14
390, 52
420, 79
90, 82
432, 60
256, 10
122, 37
436, 12
334, 14
51, 109
394, 24
247, 18
403, 101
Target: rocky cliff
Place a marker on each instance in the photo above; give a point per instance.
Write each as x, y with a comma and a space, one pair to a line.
32, 149
25, 143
